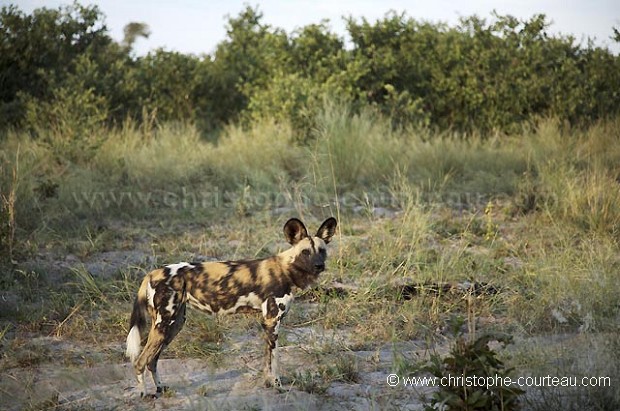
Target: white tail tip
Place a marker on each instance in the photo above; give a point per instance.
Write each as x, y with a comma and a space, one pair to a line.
133, 344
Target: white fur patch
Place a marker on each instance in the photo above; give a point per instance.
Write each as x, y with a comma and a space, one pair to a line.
286, 300
150, 294
133, 344
174, 268
170, 306
251, 300
264, 308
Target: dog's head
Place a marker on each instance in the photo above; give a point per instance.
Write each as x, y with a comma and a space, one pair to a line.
309, 252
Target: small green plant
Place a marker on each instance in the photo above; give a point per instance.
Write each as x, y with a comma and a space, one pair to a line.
89, 287
344, 369
310, 382
471, 361
169, 393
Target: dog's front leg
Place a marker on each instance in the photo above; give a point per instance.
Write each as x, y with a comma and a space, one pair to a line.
271, 325
272, 378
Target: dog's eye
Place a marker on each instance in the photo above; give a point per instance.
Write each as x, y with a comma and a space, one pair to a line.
305, 252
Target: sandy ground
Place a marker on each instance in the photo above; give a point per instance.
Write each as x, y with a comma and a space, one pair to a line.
198, 385
95, 376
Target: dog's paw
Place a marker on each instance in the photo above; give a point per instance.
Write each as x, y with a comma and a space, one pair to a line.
273, 382
163, 389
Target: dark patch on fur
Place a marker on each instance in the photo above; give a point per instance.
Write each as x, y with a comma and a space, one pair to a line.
272, 308
197, 268
138, 317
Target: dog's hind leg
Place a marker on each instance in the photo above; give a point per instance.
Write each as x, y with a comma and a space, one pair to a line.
173, 329
149, 355
161, 334
152, 366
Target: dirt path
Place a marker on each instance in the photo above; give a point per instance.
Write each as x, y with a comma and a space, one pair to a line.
195, 384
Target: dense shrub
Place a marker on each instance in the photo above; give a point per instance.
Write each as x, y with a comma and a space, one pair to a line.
488, 76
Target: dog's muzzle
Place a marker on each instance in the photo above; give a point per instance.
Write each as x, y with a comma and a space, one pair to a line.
319, 268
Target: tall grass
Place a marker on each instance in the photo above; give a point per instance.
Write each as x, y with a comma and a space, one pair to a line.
577, 174
171, 155
263, 156
363, 147
570, 174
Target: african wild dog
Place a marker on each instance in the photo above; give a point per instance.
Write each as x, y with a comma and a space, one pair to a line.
225, 287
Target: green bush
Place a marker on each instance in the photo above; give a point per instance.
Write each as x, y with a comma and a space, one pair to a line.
71, 124
469, 360
477, 77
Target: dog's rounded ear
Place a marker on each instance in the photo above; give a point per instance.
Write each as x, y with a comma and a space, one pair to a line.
295, 231
327, 230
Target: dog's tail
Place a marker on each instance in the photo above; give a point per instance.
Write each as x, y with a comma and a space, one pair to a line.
137, 323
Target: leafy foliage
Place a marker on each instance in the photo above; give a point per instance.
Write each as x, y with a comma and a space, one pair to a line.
488, 76
473, 360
